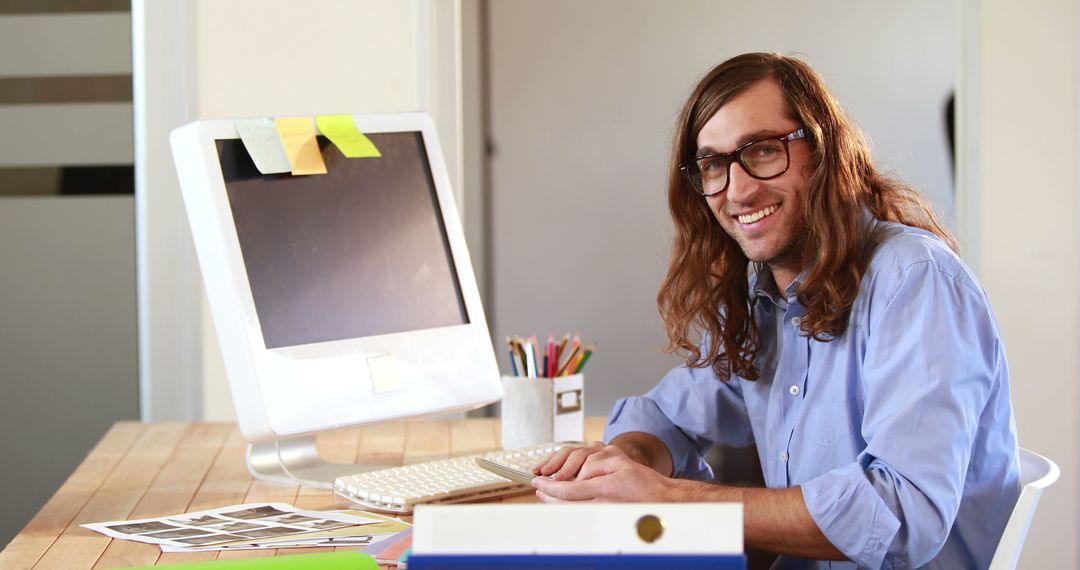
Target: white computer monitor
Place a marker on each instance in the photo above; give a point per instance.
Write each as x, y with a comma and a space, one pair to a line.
339, 299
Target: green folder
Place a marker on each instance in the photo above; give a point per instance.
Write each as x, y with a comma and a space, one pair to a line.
321, 561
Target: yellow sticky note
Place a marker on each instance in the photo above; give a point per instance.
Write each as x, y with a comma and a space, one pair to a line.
342, 131
384, 373
298, 138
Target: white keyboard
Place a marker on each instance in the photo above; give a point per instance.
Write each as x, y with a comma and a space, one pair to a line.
455, 480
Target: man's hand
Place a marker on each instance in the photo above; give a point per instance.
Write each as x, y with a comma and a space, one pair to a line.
603, 473
644, 448
636, 467
563, 465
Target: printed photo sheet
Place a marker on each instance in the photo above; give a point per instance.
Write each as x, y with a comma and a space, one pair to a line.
255, 525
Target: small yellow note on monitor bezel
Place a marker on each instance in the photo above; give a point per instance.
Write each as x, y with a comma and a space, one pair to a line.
342, 131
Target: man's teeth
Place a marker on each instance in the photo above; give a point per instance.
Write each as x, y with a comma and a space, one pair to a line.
751, 218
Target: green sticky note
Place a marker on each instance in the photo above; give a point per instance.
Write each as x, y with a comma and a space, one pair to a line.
321, 561
342, 131
261, 140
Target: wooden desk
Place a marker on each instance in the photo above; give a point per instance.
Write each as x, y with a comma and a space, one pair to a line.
142, 470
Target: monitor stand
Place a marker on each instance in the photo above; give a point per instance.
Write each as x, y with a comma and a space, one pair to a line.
296, 461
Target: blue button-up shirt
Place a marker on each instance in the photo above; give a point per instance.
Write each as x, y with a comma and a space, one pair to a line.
899, 432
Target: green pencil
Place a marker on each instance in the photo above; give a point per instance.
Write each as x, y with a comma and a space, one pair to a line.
584, 358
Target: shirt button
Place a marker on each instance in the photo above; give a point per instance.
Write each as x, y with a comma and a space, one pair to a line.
794, 390
783, 456
795, 321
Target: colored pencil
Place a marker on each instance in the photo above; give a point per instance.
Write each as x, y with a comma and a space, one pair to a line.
528, 359
584, 358
569, 359
513, 356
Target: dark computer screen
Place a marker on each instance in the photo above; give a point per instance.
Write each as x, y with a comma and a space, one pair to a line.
359, 251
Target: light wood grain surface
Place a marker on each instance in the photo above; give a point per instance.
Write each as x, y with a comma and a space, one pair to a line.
143, 470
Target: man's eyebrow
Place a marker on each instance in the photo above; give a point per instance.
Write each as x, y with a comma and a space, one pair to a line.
748, 137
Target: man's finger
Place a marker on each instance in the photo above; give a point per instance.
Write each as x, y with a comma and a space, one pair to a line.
598, 466
536, 470
573, 463
553, 462
567, 490
564, 464
545, 498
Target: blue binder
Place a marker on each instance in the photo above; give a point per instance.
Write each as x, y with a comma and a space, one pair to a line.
574, 562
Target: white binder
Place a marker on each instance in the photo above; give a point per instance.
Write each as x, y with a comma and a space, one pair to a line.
593, 528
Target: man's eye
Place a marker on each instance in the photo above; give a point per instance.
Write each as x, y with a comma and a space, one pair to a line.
709, 166
763, 150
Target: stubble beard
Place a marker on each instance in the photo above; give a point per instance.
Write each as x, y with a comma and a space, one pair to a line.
791, 248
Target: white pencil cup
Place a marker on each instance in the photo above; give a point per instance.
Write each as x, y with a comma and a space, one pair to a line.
542, 410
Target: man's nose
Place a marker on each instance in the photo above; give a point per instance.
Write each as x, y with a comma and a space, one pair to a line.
741, 186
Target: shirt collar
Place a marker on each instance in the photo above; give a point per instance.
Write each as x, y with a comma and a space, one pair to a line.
763, 284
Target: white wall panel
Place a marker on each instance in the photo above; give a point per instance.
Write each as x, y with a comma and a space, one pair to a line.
169, 286
1028, 239
272, 58
66, 44
55, 135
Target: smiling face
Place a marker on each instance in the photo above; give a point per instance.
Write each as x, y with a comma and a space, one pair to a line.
765, 217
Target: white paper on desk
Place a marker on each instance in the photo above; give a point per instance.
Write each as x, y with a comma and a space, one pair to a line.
355, 541
386, 528
251, 523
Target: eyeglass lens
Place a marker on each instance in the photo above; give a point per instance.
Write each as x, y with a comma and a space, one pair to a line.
762, 160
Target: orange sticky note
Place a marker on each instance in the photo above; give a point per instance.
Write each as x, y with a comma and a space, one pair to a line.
298, 137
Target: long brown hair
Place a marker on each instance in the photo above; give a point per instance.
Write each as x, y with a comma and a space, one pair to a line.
706, 290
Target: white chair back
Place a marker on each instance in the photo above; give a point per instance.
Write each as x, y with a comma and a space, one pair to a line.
1036, 474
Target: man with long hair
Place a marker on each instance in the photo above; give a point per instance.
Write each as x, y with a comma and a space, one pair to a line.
826, 317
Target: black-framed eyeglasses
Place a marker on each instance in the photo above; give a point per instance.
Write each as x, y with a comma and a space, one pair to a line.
762, 159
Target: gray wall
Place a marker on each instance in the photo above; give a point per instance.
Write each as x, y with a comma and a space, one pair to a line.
583, 98
67, 339
67, 263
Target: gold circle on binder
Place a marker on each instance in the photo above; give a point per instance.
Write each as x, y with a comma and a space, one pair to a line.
650, 528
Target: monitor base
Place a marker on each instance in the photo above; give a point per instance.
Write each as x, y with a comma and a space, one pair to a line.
296, 461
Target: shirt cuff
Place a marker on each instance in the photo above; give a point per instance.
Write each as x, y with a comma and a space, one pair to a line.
851, 515
642, 414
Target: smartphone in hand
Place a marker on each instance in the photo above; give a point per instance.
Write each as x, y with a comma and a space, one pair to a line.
506, 471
